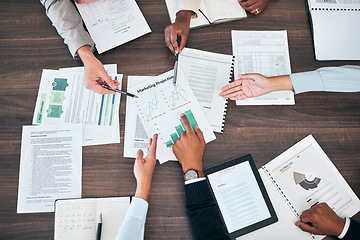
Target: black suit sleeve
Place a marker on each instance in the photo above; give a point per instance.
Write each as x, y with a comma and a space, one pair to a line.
353, 231
203, 212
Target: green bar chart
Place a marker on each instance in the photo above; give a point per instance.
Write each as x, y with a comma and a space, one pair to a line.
180, 128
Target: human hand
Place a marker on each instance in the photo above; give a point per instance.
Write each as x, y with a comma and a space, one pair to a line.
253, 5
323, 219
144, 168
247, 86
189, 148
95, 72
180, 28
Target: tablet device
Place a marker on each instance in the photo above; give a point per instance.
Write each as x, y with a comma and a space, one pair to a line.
241, 196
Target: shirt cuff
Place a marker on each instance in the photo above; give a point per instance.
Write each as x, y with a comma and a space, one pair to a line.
194, 180
138, 208
188, 5
345, 229
307, 81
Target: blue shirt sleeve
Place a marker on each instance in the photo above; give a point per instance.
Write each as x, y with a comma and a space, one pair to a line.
133, 226
330, 79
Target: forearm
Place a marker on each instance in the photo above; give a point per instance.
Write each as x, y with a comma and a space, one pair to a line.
203, 212
143, 190
281, 83
68, 24
133, 225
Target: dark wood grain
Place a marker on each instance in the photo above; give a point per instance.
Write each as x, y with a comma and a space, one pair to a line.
29, 43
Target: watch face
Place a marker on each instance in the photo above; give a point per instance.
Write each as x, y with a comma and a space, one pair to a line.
191, 174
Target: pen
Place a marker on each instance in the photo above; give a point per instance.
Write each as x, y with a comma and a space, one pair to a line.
175, 68
98, 232
119, 91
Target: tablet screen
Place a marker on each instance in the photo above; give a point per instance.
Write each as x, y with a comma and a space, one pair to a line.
243, 202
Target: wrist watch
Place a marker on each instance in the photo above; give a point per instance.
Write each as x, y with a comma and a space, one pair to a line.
193, 174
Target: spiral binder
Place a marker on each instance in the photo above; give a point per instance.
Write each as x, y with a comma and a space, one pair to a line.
231, 78
283, 195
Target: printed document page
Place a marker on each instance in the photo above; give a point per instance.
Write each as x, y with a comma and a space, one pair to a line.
50, 166
334, 4
239, 198
135, 135
264, 52
207, 73
159, 106
113, 23
63, 98
308, 177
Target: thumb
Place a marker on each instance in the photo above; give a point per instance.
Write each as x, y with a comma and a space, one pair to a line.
140, 154
305, 227
108, 80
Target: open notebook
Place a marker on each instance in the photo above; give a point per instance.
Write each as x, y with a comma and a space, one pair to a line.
335, 27
297, 179
78, 218
208, 11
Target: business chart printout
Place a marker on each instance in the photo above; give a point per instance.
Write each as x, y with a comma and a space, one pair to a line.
159, 106
264, 52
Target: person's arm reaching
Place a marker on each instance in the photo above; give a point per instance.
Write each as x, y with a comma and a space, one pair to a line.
322, 220
203, 212
69, 25
133, 225
331, 79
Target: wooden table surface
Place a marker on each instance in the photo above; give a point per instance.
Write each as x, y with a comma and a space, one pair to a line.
29, 44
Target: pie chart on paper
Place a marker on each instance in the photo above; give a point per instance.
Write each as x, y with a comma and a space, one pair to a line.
307, 180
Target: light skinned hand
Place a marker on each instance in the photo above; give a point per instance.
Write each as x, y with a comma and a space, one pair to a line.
247, 86
180, 28
189, 148
323, 219
144, 168
95, 72
251, 5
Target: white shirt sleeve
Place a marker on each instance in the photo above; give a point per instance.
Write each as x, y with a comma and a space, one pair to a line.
133, 226
190, 5
68, 24
330, 79
345, 229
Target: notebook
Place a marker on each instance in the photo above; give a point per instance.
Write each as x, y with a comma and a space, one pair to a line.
335, 26
78, 218
240, 195
207, 73
208, 11
298, 179
113, 23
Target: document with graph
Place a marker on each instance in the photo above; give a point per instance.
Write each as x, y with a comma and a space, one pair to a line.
264, 52
298, 179
63, 98
207, 73
113, 23
159, 106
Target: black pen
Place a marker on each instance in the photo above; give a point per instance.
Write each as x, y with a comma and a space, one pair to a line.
98, 232
119, 91
175, 68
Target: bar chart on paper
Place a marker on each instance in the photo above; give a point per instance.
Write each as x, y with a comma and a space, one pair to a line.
180, 128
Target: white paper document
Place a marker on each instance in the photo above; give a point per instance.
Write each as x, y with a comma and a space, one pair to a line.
335, 26
159, 106
113, 23
50, 166
135, 134
298, 179
207, 73
85, 214
264, 52
63, 98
